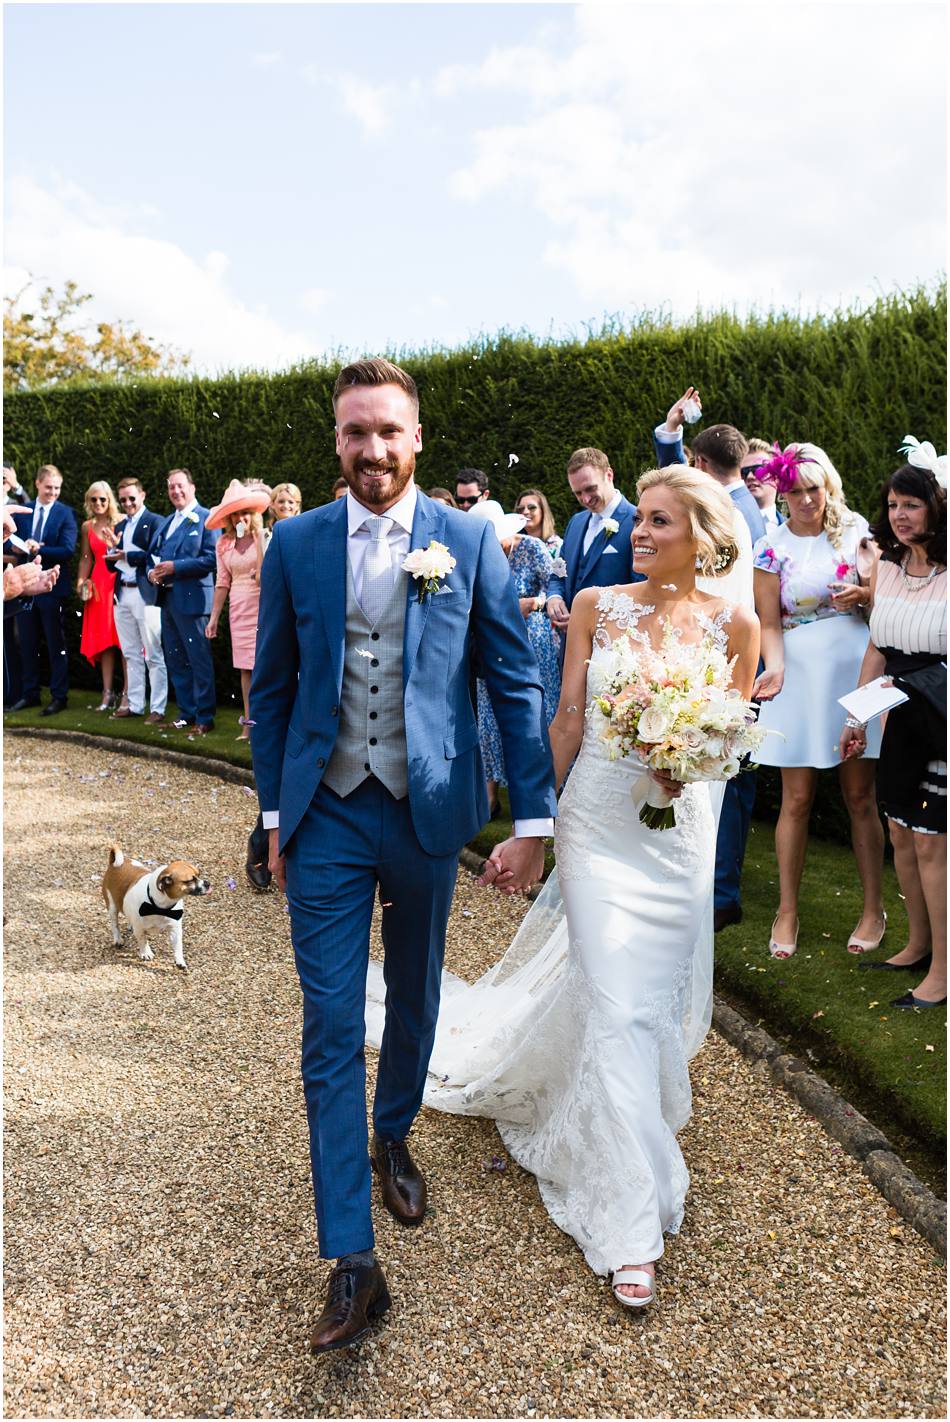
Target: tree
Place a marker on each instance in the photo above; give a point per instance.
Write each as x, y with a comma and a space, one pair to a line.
50, 346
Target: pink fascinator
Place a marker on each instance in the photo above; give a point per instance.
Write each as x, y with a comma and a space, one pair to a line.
782, 469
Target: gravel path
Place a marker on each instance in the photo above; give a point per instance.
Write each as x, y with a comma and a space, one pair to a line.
160, 1257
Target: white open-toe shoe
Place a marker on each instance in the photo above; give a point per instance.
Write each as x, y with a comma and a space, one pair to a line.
633, 1276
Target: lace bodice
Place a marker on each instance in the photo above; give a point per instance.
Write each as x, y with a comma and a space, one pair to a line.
620, 611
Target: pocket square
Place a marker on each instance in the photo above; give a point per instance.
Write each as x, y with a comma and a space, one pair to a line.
608, 549
442, 589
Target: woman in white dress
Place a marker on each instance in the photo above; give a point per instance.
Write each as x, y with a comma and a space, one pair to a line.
577, 1042
812, 591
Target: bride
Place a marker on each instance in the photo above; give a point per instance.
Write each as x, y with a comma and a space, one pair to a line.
577, 1041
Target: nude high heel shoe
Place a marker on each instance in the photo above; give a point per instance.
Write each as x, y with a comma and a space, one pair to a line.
782, 950
868, 945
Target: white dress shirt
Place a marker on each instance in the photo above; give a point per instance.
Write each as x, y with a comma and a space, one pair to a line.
121, 564
598, 520
357, 541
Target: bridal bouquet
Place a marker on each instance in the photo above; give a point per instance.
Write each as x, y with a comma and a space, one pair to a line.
676, 710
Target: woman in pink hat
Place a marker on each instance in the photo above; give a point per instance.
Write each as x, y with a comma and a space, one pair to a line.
239, 552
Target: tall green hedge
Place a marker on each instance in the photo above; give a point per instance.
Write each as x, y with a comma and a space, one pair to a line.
854, 383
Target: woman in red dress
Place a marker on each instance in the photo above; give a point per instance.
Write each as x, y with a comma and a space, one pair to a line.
95, 583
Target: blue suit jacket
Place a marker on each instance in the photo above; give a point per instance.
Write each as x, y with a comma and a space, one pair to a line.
741, 496
138, 556
608, 560
191, 549
60, 533
298, 675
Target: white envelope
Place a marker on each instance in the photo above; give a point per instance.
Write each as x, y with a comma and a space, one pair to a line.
872, 700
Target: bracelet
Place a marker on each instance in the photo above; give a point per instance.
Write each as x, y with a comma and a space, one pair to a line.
854, 724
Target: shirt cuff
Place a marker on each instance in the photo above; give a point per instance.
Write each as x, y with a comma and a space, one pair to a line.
533, 829
664, 436
270, 819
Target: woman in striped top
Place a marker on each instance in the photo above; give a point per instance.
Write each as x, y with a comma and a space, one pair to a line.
909, 643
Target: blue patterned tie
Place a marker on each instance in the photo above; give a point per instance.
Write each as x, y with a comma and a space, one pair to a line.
377, 568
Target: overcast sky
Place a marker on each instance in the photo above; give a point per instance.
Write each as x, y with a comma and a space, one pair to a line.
255, 184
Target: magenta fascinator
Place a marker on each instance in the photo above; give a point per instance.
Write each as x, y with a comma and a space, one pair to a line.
782, 469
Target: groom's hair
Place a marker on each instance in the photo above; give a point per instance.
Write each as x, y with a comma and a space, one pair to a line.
377, 371
596, 458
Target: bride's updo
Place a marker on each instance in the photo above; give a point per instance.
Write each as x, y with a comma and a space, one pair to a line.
711, 514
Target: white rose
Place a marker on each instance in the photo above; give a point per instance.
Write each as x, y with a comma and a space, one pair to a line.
656, 722
692, 738
427, 563
611, 526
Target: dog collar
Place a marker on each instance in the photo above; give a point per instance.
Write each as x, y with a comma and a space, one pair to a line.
147, 909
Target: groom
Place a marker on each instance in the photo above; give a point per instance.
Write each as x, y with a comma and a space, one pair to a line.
366, 758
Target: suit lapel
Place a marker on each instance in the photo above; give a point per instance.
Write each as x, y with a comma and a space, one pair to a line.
329, 566
577, 555
428, 523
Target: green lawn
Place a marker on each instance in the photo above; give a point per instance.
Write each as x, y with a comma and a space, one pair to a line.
891, 1063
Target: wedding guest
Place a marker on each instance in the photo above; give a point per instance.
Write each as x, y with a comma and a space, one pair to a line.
286, 501
184, 560
14, 496
530, 566
339, 489
810, 596
471, 487
443, 496
668, 443
138, 618
597, 551
539, 520
13, 490
49, 530
764, 493
95, 584
908, 630
239, 553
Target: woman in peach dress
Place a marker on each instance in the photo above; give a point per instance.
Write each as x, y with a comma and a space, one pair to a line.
239, 552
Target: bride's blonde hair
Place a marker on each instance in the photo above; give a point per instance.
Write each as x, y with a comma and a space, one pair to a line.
711, 514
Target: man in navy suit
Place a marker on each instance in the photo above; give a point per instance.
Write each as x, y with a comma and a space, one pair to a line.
597, 551
183, 569
369, 774
138, 618
49, 530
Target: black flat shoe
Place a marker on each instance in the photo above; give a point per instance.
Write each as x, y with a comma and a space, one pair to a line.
24, 703
919, 964
258, 876
54, 707
909, 1000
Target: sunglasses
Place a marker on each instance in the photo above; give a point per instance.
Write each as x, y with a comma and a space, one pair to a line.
528, 508
467, 498
748, 469
98, 499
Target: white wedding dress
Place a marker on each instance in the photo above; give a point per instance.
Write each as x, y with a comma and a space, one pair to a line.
576, 1043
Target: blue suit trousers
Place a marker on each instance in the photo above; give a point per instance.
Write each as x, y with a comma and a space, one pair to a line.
44, 618
341, 851
188, 659
734, 820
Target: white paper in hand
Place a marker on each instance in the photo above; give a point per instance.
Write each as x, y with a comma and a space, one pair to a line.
872, 700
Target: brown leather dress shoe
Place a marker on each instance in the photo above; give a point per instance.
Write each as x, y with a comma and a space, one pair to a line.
401, 1181
356, 1294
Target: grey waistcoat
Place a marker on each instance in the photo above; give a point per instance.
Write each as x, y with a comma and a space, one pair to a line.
372, 735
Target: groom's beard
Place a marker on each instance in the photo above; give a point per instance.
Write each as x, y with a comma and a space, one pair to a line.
379, 485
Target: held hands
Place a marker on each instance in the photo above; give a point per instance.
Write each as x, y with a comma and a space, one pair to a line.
667, 783
854, 742
768, 685
514, 866
676, 416
276, 862
556, 609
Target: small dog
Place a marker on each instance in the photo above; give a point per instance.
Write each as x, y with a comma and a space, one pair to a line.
149, 900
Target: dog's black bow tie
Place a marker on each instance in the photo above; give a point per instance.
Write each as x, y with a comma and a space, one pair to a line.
148, 908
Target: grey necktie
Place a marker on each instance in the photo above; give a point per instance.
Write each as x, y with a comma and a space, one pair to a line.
377, 568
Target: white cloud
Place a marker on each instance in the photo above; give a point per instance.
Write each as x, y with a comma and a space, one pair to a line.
61, 234
368, 103
721, 154
265, 60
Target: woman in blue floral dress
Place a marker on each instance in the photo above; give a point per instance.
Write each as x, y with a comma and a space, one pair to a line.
531, 567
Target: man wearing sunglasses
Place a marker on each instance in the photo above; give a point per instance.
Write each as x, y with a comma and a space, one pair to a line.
138, 618
471, 488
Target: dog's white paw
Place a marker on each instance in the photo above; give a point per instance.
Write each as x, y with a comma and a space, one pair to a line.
146, 954
181, 964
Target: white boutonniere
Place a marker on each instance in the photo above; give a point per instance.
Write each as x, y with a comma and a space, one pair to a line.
191, 516
430, 566
611, 526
